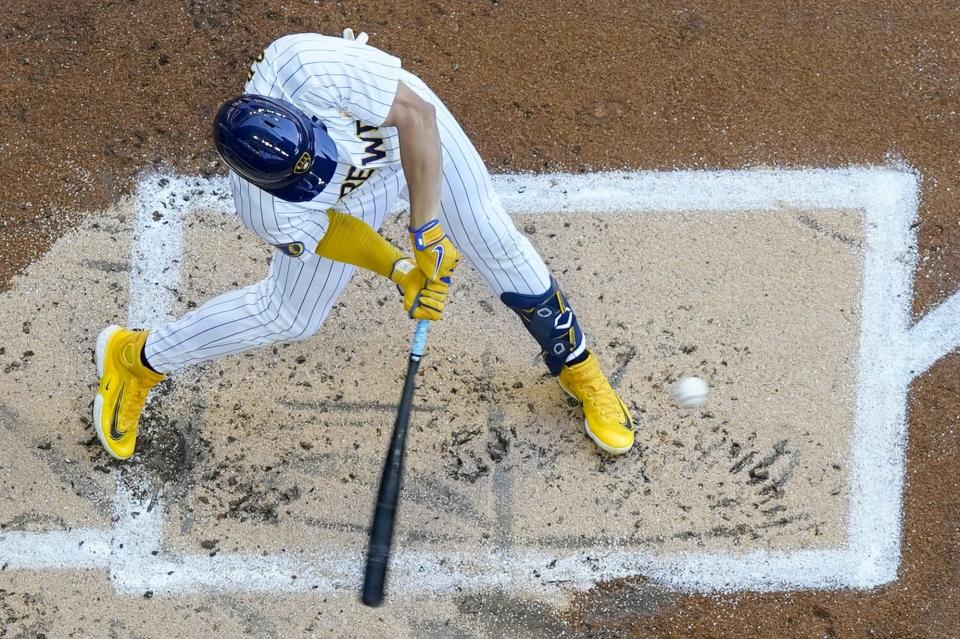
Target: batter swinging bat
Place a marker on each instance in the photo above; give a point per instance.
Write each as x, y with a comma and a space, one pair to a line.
384, 515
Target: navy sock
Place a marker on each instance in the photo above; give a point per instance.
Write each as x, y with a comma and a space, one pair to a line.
143, 360
582, 357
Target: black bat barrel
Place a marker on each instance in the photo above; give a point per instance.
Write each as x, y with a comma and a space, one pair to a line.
388, 495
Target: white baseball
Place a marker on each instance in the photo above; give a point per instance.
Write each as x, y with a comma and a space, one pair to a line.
690, 392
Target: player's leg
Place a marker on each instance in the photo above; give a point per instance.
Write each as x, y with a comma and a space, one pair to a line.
514, 271
289, 305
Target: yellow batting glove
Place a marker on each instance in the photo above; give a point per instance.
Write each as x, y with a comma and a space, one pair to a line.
422, 298
433, 251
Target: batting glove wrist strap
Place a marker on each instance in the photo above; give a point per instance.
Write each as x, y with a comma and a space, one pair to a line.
427, 235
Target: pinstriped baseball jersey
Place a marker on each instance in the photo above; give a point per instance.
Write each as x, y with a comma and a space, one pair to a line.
350, 87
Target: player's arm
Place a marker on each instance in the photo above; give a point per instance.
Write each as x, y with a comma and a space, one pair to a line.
353, 241
416, 122
420, 154
368, 87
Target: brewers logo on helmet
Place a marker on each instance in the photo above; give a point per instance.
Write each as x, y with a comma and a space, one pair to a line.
303, 163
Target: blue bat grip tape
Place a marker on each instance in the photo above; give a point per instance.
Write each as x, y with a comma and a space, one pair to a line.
420, 338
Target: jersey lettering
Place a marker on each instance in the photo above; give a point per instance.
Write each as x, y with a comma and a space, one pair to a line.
354, 180
374, 147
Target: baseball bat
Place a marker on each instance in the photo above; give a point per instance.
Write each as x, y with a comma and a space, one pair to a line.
385, 512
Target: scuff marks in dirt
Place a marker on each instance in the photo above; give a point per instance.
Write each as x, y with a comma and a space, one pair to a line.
21, 615
468, 456
248, 492
462, 462
498, 442
169, 445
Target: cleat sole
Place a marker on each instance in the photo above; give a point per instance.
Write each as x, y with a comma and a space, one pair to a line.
100, 353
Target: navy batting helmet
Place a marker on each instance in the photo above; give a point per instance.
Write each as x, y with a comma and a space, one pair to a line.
276, 146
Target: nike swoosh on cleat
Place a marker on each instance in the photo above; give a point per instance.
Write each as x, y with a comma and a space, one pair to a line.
626, 416
115, 434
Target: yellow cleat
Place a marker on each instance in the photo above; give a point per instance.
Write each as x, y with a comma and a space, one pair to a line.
606, 418
124, 383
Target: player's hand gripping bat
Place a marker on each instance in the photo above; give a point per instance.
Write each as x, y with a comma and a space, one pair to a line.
384, 515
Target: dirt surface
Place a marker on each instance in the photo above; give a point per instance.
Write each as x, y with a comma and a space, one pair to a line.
97, 92
269, 453
513, 464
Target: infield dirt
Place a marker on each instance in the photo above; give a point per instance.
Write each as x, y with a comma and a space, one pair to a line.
96, 93
278, 450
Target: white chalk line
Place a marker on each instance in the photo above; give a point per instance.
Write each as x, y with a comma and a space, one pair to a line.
936, 333
891, 354
55, 549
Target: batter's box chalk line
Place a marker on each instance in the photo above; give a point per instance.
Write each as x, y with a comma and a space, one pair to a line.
892, 352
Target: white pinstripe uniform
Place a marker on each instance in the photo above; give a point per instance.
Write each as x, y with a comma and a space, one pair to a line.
350, 87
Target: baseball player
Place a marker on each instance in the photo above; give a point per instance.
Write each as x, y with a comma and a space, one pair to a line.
328, 134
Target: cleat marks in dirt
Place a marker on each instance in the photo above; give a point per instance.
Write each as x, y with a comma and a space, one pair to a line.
22, 614
463, 459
